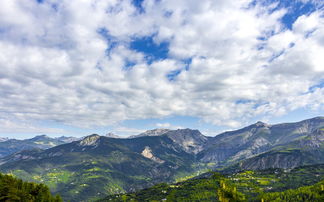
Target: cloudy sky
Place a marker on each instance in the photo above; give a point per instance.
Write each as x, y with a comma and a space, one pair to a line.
96, 66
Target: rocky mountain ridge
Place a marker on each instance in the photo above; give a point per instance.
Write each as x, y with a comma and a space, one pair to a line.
96, 163
232, 146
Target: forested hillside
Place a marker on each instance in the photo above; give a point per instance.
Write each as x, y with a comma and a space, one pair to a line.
13, 189
300, 184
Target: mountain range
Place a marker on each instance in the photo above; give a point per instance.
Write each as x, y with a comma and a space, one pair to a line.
10, 146
95, 166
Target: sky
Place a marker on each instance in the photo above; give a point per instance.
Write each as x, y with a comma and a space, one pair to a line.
124, 66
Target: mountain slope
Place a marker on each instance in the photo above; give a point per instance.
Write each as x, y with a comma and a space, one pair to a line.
306, 150
230, 147
89, 168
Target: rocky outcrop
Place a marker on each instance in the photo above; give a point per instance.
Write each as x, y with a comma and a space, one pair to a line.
191, 141
147, 153
91, 140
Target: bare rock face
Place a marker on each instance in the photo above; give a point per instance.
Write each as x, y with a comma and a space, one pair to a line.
255, 146
306, 150
191, 141
91, 140
236, 145
260, 137
286, 159
147, 153
278, 160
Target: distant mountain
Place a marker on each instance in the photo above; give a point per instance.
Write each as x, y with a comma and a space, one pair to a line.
10, 146
230, 147
97, 165
67, 139
191, 141
2, 139
112, 135
154, 132
306, 150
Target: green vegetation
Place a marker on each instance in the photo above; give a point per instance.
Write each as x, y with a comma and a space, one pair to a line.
90, 172
275, 180
218, 188
211, 189
305, 194
300, 184
93, 177
13, 189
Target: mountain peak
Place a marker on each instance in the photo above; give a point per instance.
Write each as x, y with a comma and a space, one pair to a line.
261, 124
191, 141
43, 135
40, 137
66, 139
112, 135
154, 132
90, 140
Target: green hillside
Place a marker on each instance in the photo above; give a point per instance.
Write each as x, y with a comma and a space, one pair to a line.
97, 166
13, 189
300, 184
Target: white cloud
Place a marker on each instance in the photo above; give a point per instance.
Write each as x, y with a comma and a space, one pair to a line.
168, 126
126, 131
54, 65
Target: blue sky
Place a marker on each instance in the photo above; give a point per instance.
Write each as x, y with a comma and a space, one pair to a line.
128, 66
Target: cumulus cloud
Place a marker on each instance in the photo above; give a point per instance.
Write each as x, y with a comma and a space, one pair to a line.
69, 61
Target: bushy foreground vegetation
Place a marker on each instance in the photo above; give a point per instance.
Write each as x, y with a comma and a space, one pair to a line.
306, 194
13, 189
